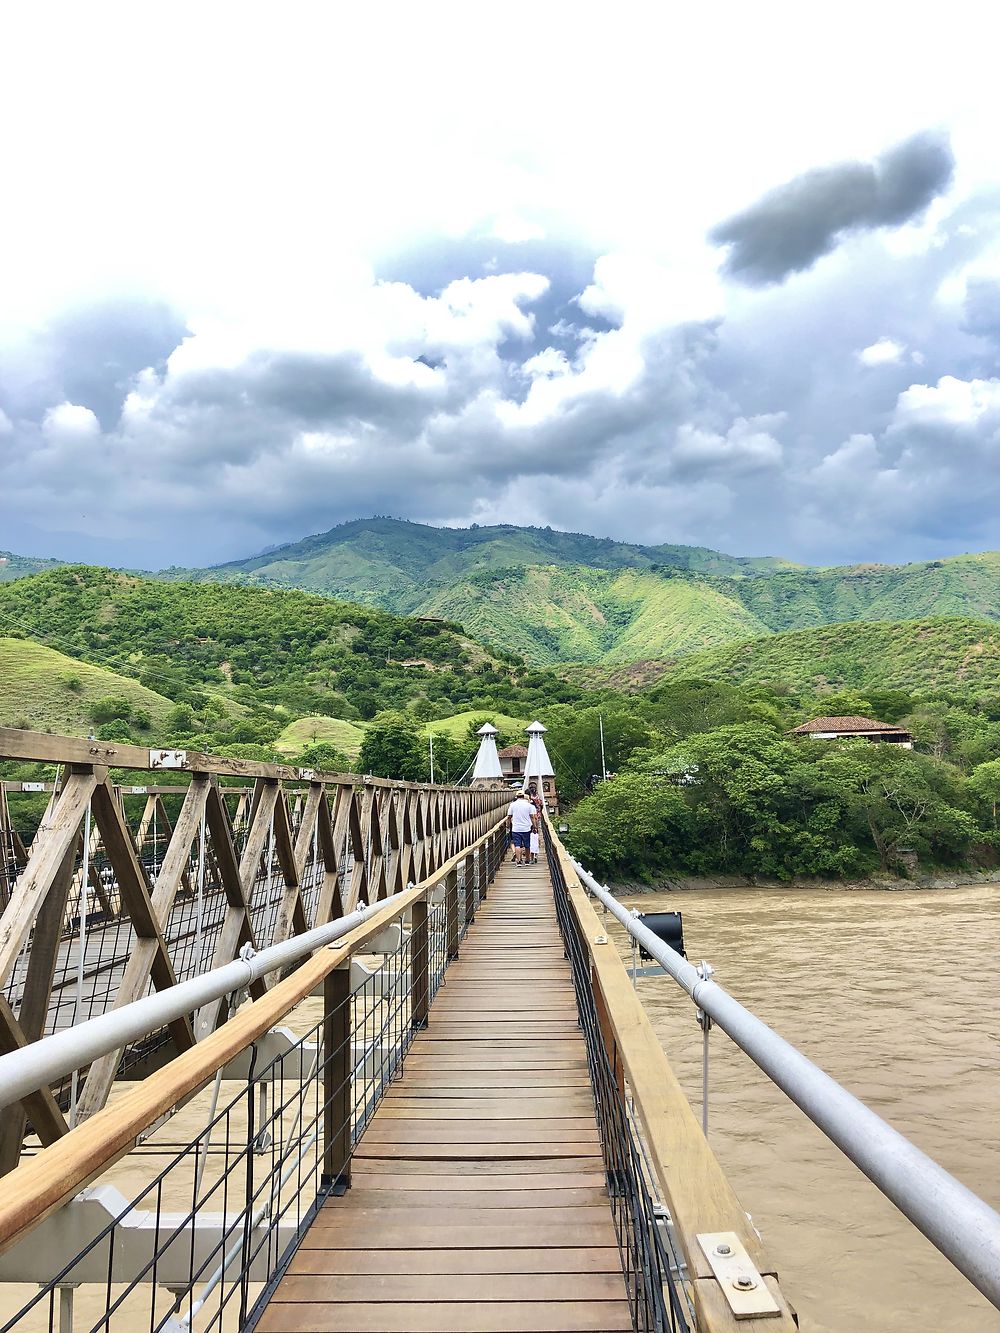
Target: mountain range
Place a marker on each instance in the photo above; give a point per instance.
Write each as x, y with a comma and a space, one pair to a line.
559, 597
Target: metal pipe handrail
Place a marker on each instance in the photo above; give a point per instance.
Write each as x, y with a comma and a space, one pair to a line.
957, 1222
42, 1062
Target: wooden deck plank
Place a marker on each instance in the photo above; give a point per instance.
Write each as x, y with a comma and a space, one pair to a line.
556, 1259
571, 1106
363, 1197
372, 1288
473, 1152
477, 1130
420, 1317
523, 1166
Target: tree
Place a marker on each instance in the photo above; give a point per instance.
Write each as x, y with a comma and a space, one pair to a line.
985, 784
631, 826
758, 803
325, 758
393, 747
902, 799
118, 730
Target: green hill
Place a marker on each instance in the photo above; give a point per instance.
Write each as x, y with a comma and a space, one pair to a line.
966, 585
567, 597
562, 597
572, 614
222, 648
457, 726
934, 653
306, 731
389, 562
40, 688
20, 566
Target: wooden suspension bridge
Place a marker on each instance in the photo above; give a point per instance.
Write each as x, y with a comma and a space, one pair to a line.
453, 1114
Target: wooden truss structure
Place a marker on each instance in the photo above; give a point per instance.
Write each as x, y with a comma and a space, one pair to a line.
98, 908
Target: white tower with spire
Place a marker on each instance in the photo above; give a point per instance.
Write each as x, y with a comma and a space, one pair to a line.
487, 770
538, 770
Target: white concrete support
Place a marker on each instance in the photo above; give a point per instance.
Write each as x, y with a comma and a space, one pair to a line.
183, 1244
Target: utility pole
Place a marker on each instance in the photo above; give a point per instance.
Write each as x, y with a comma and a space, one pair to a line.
604, 765
430, 738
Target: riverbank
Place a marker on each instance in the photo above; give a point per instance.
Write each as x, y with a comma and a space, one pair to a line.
887, 883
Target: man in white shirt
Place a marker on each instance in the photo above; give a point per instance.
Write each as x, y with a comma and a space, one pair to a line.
522, 819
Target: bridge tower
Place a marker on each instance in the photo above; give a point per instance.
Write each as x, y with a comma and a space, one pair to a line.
538, 768
487, 772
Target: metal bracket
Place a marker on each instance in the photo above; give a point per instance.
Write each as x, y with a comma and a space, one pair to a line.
167, 758
742, 1285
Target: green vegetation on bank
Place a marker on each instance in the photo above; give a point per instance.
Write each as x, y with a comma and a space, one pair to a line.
712, 782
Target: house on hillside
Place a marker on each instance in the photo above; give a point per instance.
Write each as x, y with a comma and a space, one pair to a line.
854, 728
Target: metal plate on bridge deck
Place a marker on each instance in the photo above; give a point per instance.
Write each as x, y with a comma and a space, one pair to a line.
743, 1287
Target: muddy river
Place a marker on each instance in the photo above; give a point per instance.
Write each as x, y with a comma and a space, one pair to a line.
897, 995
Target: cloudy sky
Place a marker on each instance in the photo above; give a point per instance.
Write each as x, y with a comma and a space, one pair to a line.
731, 278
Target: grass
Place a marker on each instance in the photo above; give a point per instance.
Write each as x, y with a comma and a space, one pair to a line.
347, 736
41, 688
305, 731
458, 726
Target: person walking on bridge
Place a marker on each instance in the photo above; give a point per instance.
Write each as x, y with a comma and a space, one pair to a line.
522, 820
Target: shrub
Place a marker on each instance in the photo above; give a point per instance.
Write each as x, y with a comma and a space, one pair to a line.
110, 709
114, 731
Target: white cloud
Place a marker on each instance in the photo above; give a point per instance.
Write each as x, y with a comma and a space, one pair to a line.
290, 388
885, 352
951, 402
70, 421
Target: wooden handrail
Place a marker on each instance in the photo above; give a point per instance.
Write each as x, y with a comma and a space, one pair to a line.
40, 747
692, 1182
40, 1185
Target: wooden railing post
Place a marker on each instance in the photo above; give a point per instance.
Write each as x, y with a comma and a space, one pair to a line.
483, 870
338, 1074
420, 972
451, 914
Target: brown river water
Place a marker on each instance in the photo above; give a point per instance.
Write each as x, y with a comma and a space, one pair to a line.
897, 996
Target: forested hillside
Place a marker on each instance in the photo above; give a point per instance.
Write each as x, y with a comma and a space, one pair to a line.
561, 597
20, 566
937, 653
566, 597
390, 562
240, 663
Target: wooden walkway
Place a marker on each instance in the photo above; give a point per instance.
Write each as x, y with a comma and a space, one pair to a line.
478, 1202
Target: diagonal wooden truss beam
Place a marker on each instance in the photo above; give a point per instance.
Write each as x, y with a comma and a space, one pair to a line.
53, 840
149, 910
